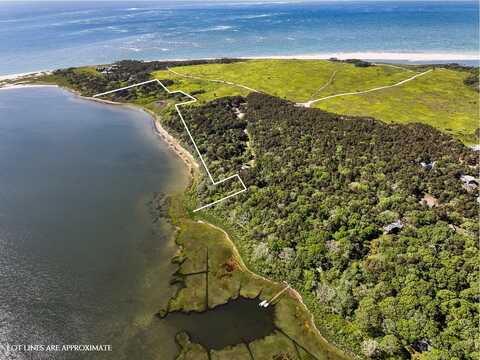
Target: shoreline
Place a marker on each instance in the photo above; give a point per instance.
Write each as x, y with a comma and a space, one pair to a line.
174, 145
192, 167
293, 293
239, 281
408, 57
26, 75
386, 56
193, 171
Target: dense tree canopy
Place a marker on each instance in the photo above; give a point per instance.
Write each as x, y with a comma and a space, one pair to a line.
371, 222
322, 189
121, 73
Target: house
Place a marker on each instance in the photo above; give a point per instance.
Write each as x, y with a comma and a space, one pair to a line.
105, 69
469, 182
393, 228
428, 165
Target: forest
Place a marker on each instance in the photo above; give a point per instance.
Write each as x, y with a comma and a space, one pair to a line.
373, 223
323, 190
90, 81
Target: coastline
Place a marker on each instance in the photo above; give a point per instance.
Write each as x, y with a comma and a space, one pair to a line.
410, 57
193, 172
232, 279
291, 291
26, 75
20, 86
381, 56
173, 144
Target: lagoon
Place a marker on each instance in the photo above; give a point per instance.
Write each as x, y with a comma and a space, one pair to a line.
81, 260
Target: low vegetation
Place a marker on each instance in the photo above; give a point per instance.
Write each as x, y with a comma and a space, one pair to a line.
445, 98
295, 80
438, 98
91, 80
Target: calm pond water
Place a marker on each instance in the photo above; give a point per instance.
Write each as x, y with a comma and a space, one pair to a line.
80, 260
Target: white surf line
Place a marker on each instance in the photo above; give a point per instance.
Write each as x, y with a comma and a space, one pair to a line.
311, 102
192, 100
212, 80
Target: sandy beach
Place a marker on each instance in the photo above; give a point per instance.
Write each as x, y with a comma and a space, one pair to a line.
381, 56
367, 55
20, 76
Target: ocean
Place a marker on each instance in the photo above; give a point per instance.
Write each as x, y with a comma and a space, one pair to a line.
39, 35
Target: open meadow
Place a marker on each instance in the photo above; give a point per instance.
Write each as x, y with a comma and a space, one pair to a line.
438, 98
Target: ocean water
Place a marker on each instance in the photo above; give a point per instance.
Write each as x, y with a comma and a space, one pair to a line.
39, 35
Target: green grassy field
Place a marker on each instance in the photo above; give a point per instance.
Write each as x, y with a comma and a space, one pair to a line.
296, 80
438, 98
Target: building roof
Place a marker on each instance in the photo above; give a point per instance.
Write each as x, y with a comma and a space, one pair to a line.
467, 179
428, 165
397, 225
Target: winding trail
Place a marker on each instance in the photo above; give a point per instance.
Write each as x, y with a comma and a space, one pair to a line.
326, 84
311, 102
213, 80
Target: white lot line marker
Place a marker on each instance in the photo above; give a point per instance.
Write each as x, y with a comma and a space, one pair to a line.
311, 102
192, 100
212, 80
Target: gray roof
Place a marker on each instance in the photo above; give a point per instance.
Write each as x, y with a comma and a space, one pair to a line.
395, 225
429, 165
468, 179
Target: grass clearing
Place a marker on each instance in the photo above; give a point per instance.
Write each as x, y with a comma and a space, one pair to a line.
296, 80
88, 70
204, 91
438, 98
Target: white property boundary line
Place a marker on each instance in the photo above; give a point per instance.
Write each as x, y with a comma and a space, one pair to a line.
211, 80
192, 100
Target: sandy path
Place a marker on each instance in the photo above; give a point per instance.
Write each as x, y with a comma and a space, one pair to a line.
326, 84
311, 102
